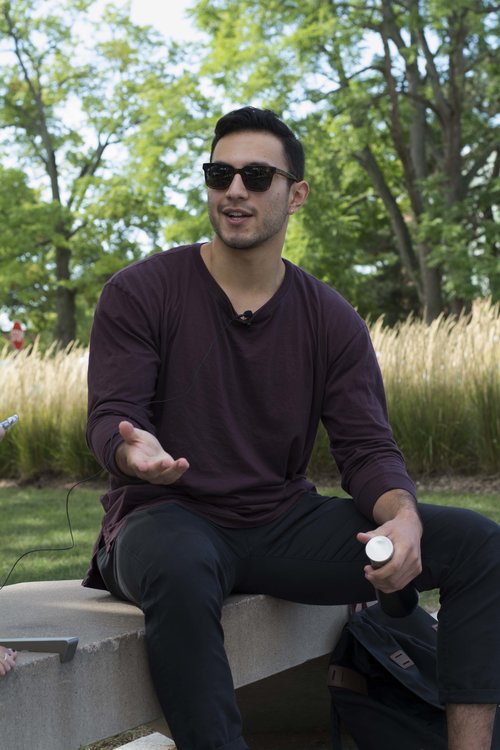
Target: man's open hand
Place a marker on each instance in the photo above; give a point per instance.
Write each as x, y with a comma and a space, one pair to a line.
141, 455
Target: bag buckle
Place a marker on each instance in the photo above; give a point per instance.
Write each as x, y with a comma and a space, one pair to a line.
402, 659
343, 677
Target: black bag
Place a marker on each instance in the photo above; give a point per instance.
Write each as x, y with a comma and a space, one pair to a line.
383, 684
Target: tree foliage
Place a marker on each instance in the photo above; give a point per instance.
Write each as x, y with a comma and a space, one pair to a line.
403, 98
103, 128
85, 152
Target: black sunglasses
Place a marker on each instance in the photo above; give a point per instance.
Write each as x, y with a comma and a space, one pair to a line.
256, 177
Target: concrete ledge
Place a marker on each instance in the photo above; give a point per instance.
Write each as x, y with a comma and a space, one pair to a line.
105, 689
153, 741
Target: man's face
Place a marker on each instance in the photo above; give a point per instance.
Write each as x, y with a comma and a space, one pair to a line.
241, 218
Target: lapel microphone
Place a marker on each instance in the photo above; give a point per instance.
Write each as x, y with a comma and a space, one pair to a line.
245, 318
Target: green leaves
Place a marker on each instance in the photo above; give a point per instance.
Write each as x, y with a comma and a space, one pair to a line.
86, 98
401, 96
107, 128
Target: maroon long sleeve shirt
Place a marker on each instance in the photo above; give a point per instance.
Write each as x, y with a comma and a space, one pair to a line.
241, 400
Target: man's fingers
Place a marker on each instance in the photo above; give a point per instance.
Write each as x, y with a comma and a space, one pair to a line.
175, 470
164, 471
365, 536
126, 430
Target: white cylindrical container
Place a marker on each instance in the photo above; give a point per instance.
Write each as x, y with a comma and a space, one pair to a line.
379, 550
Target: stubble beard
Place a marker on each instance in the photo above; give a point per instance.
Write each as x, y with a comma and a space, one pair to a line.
271, 226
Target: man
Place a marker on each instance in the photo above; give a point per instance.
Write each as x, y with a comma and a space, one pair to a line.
210, 368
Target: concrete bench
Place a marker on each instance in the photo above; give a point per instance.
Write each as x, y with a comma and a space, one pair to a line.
105, 689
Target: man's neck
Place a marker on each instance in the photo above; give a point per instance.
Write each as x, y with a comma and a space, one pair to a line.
248, 277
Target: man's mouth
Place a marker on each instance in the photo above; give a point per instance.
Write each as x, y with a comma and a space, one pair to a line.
236, 215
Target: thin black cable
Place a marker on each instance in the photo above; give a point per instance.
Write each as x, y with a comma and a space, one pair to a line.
53, 549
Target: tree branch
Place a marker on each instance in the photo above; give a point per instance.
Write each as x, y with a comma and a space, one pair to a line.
37, 96
91, 165
442, 106
403, 239
413, 159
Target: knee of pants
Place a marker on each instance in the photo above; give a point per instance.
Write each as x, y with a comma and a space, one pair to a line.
464, 538
485, 542
182, 566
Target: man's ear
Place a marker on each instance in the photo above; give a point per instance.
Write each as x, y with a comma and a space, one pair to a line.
298, 195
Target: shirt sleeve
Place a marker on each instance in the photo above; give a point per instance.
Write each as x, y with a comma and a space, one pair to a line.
355, 417
123, 369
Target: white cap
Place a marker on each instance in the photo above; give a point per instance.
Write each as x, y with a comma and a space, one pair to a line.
379, 549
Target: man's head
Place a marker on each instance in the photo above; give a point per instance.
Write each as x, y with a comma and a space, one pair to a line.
263, 120
254, 179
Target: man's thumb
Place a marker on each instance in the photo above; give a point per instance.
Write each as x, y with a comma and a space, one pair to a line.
126, 430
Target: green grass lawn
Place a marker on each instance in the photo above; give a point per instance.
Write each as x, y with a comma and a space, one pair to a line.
34, 518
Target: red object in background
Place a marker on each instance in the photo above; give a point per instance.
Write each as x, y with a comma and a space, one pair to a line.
17, 335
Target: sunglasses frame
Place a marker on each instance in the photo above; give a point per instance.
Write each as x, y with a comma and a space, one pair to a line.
232, 172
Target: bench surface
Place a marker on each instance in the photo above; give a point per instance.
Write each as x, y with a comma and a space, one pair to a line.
105, 688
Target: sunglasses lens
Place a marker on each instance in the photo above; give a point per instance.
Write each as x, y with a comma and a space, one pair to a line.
218, 176
255, 178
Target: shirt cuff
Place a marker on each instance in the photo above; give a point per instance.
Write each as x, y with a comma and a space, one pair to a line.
367, 495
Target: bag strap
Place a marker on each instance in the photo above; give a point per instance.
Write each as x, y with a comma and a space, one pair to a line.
344, 677
336, 733
353, 608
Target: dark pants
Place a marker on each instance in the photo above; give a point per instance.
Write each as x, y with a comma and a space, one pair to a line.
179, 567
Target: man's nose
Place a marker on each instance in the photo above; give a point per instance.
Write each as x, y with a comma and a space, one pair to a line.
237, 186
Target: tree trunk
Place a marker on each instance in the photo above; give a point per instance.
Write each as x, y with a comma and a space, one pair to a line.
431, 285
403, 240
65, 328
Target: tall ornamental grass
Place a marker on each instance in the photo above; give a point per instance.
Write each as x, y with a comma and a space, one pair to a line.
442, 383
49, 392
443, 390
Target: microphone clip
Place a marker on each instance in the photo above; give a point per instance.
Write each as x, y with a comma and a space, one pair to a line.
245, 318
